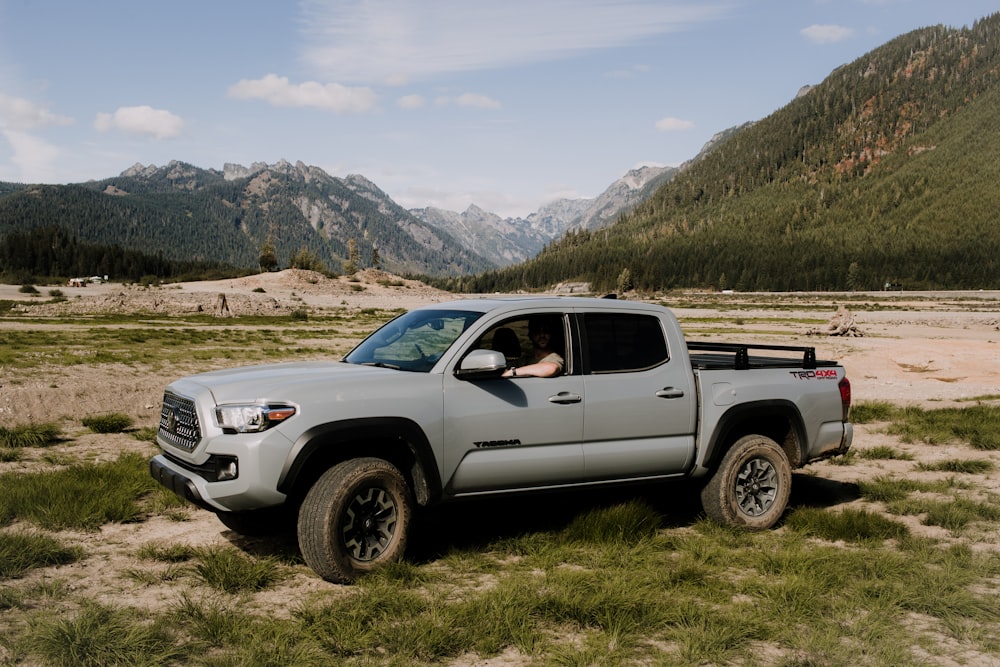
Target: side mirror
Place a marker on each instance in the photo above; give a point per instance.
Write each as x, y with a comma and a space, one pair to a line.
481, 364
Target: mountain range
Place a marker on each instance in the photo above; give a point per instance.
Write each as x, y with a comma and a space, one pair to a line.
884, 173
186, 213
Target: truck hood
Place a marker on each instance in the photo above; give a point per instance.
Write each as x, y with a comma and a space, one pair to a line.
287, 382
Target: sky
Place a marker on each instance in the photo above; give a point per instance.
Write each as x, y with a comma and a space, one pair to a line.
507, 104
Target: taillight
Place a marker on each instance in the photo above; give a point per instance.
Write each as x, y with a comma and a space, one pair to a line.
845, 397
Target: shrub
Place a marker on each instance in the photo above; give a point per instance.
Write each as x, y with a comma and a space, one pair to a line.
30, 435
113, 422
23, 551
234, 572
82, 496
99, 635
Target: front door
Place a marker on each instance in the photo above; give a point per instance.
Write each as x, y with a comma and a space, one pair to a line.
515, 432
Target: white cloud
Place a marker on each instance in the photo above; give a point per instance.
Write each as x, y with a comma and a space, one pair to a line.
141, 120
411, 102
17, 113
393, 41
669, 124
279, 92
629, 72
33, 157
474, 100
826, 34
468, 100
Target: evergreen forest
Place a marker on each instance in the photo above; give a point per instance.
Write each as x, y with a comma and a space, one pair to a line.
180, 217
884, 174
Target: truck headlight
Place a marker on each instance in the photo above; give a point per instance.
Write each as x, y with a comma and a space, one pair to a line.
251, 418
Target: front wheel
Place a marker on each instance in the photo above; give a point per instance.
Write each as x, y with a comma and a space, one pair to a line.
354, 518
750, 488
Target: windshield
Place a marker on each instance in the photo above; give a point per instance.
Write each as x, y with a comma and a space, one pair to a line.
414, 341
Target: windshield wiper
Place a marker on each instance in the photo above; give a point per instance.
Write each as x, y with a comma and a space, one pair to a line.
382, 364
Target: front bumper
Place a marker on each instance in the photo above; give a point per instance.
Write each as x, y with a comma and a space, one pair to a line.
177, 482
254, 488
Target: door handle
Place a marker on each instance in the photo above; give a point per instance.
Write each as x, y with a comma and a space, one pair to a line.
670, 392
565, 397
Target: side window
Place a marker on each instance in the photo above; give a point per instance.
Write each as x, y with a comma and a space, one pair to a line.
623, 342
521, 343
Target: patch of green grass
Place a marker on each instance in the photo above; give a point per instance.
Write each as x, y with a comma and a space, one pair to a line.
233, 571
883, 453
168, 553
145, 434
8, 455
21, 551
887, 489
625, 524
98, 635
239, 638
850, 525
866, 412
953, 514
135, 341
81, 496
968, 466
112, 422
30, 435
978, 425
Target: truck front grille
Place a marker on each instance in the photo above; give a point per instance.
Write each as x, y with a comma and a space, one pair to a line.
179, 422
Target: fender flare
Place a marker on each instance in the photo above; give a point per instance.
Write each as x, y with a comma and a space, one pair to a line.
732, 419
424, 473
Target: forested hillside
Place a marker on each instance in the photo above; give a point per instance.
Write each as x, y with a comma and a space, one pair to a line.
886, 172
182, 216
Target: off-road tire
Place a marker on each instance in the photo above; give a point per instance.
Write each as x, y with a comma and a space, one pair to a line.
355, 518
750, 488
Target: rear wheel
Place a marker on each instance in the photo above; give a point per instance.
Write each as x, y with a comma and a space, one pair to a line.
750, 488
355, 518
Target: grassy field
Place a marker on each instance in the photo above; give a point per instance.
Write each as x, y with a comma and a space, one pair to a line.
887, 556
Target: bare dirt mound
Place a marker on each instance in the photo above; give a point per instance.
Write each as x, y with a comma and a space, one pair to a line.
278, 293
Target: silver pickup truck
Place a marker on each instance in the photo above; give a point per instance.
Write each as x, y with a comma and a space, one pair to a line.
430, 408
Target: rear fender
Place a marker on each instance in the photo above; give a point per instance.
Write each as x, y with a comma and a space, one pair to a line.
777, 419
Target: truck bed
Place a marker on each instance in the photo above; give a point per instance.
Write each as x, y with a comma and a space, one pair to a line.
716, 356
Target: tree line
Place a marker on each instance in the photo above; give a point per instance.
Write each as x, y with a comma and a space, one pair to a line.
52, 254
884, 173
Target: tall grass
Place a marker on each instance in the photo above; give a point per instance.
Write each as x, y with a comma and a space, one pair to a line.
112, 422
978, 425
82, 496
30, 435
625, 579
97, 635
21, 551
233, 571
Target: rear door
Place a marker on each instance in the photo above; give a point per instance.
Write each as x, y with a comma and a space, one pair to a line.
640, 414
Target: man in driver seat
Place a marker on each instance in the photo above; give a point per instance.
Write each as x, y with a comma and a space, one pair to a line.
544, 359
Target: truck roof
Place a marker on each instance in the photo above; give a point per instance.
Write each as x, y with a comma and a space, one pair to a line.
490, 303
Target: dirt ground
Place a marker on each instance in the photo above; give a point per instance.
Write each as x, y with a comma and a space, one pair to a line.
932, 350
